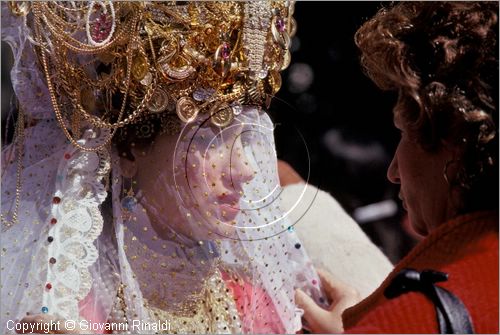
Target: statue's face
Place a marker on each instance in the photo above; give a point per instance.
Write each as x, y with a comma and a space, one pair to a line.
195, 184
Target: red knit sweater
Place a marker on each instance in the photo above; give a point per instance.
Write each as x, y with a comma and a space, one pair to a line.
467, 249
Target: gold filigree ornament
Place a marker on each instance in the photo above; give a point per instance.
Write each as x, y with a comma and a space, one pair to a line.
175, 68
177, 73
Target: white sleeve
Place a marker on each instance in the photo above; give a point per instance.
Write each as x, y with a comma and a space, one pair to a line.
333, 240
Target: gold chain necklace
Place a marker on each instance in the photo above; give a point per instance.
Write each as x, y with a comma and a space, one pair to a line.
19, 169
58, 112
160, 58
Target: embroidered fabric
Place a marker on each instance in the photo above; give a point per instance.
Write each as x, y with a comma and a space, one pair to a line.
172, 250
208, 206
75, 206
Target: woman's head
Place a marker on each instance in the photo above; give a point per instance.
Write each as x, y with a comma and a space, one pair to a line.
442, 59
191, 182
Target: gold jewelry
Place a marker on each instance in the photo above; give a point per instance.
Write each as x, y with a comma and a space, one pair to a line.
202, 56
19, 136
19, 8
213, 310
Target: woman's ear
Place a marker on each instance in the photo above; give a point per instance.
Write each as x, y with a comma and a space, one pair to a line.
455, 150
453, 162
128, 167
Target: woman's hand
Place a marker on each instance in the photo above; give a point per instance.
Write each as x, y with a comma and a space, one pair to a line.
48, 324
328, 321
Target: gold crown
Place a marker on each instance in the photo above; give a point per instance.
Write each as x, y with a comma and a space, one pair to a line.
114, 63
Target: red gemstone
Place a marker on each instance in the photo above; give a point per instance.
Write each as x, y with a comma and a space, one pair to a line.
48, 286
53, 221
226, 51
67, 156
101, 28
280, 24
52, 260
56, 200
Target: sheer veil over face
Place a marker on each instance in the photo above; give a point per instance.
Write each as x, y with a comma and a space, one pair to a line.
191, 231
209, 183
208, 209
208, 200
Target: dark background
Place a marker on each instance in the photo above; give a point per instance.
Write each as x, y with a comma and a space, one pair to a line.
344, 119
327, 105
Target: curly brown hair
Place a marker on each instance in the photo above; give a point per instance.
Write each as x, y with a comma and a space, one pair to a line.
442, 58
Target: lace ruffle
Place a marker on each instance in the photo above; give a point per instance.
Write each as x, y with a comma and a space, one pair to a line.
75, 207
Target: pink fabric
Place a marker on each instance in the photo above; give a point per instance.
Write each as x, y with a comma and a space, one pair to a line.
91, 310
256, 309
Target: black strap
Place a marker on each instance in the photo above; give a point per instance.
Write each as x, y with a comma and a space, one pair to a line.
452, 315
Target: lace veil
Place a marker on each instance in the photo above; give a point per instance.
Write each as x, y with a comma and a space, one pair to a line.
195, 236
